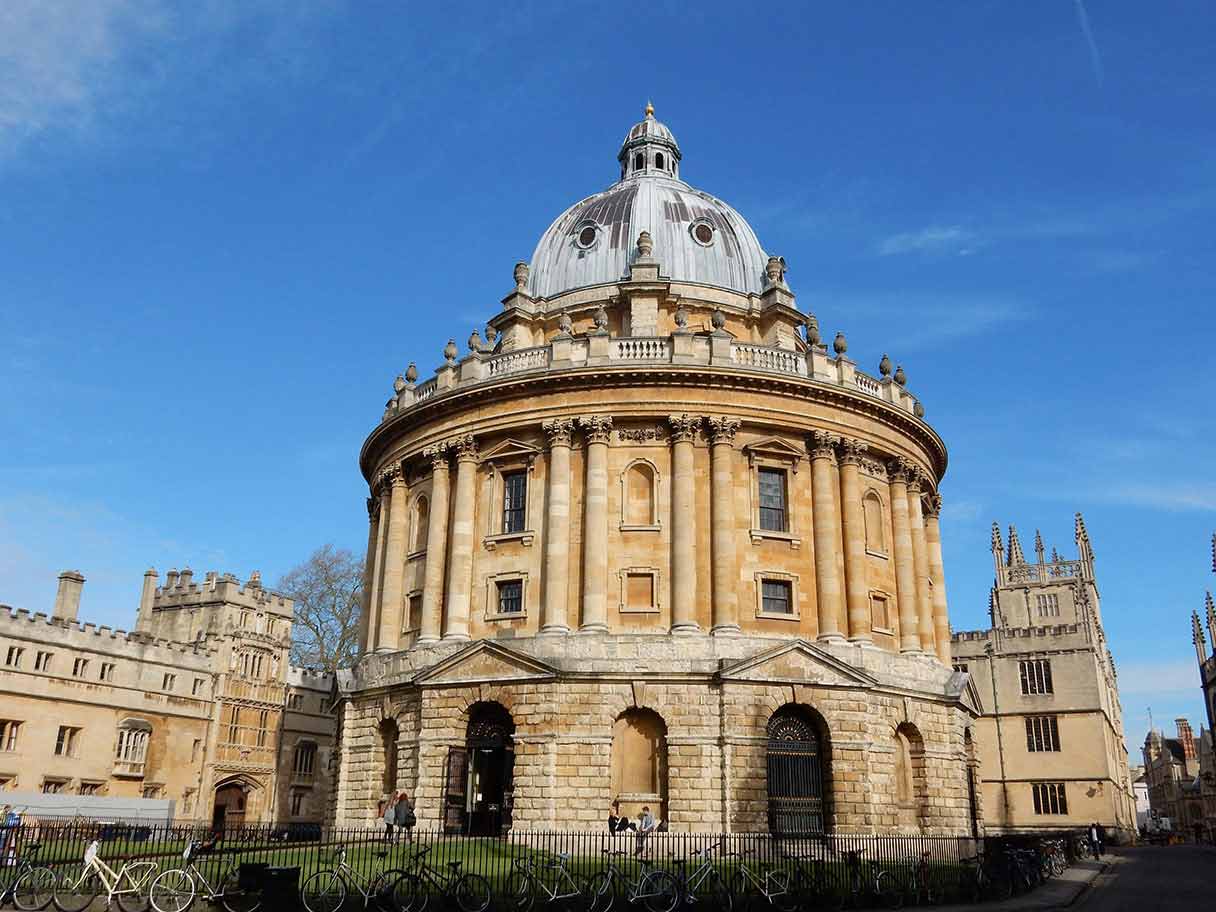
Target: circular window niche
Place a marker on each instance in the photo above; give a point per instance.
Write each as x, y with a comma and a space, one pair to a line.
702, 231
587, 236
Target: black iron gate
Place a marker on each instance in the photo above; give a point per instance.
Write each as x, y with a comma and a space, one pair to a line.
795, 776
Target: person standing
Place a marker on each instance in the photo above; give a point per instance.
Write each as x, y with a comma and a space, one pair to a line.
404, 816
1101, 839
9, 821
646, 825
1093, 839
389, 816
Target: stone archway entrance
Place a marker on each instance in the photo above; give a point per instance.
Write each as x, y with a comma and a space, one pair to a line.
796, 774
480, 776
228, 811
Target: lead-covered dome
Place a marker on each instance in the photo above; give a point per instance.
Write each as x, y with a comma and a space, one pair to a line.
697, 237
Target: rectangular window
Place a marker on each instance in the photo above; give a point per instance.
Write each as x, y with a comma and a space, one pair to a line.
263, 726
1042, 734
90, 788
42, 661
195, 748
13, 658
151, 791
297, 803
65, 743
293, 701
234, 726
880, 618
510, 596
414, 620
107, 672
53, 786
79, 667
772, 500
960, 666
1048, 605
306, 756
514, 497
168, 682
8, 734
1035, 676
197, 687
1049, 798
776, 597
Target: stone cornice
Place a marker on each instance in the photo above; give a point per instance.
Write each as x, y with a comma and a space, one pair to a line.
833, 395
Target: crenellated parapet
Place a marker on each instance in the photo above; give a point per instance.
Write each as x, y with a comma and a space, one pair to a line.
181, 591
38, 627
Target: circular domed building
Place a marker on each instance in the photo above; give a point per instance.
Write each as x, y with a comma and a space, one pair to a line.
648, 540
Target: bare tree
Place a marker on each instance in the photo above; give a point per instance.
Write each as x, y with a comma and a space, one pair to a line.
328, 592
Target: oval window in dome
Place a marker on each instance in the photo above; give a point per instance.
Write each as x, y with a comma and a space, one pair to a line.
586, 236
703, 233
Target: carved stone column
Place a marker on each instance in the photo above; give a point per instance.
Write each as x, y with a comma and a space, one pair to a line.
460, 562
937, 572
555, 617
597, 429
905, 569
826, 528
436, 545
394, 564
726, 571
920, 563
857, 591
369, 622
683, 524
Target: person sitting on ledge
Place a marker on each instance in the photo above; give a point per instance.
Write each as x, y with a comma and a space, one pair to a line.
617, 823
646, 826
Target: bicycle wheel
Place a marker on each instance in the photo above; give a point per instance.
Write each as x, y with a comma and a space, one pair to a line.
34, 890
889, 890
76, 888
472, 893
601, 892
233, 897
659, 891
324, 891
518, 895
743, 894
383, 891
782, 888
135, 896
711, 894
172, 891
408, 893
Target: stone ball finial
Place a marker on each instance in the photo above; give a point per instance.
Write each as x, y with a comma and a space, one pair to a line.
600, 318
839, 344
565, 324
521, 275
474, 341
900, 377
681, 318
645, 244
411, 373
398, 384
884, 366
450, 351
918, 410
717, 319
812, 329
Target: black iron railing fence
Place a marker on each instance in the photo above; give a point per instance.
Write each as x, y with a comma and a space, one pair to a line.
834, 859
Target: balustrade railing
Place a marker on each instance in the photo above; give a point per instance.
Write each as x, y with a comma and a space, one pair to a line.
426, 389
640, 349
513, 362
868, 384
762, 357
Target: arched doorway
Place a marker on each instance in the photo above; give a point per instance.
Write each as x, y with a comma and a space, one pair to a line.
389, 736
228, 812
480, 776
797, 772
638, 775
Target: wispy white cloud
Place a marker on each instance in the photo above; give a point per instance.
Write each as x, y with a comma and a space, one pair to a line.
1095, 56
1160, 677
932, 320
1194, 494
935, 239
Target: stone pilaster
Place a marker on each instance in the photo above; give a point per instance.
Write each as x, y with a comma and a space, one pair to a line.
920, 563
683, 524
905, 569
382, 490
554, 617
369, 570
726, 572
436, 545
826, 529
597, 429
389, 636
937, 572
460, 562
857, 591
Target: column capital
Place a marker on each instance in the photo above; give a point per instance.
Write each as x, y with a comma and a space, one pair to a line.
390, 476
596, 428
465, 446
934, 505
916, 480
373, 506
900, 470
684, 427
438, 455
823, 445
560, 431
849, 451
722, 429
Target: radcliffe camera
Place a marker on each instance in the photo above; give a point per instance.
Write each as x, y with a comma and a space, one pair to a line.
471, 460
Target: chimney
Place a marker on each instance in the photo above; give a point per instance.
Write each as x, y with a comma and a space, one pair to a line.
67, 599
1186, 738
171, 580
146, 596
186, 579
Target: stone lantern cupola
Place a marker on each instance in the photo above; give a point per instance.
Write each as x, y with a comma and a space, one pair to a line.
649, 148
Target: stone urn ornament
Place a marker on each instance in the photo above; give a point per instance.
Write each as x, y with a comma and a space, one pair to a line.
521, 275
645, 244
884, 366
840, 345
601, 319
399, 384
411, 374
565, 324
681, 318
812, 329
717, 319
450, 351
900, 377
474, 341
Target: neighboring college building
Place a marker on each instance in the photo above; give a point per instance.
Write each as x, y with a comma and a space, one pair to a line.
196, 705
1051, 741
1207, 681
651, 540
1172, 769
1140, 794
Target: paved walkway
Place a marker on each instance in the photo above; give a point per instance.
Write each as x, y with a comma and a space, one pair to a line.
1058, 893
1154, 877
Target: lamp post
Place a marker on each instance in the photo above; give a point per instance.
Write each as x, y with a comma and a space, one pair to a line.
1000, 745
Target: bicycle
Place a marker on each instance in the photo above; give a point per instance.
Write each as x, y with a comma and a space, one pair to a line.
704, 888
176, 889
657, 890
979, 881
526, 884
871, 882
470, 892
77, 887
814, 885
777, 885
326, 890
31, 887
920, 888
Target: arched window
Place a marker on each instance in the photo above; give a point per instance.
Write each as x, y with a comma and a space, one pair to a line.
639, 507
131, 750
911, 792
798, 773
639, 162
388, 742
972, 802
638, 776
658, 160
419, 524
876, 538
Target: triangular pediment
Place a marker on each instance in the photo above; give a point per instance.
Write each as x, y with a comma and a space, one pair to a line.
510, 449
484, 662
798, 662
775, 448
963, 686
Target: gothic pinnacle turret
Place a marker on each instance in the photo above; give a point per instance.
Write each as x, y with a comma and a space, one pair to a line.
1201, 646
1016, 557
998, 552
1038, 546
1210, 611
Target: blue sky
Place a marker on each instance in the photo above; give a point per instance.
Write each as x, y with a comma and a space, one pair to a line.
225, 227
